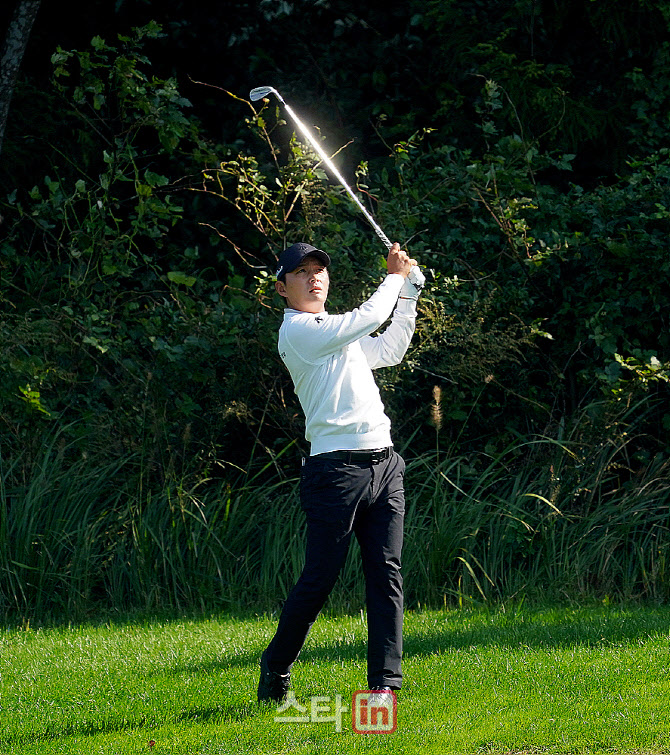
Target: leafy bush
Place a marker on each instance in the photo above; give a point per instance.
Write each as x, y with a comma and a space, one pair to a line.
101, 325
139, 328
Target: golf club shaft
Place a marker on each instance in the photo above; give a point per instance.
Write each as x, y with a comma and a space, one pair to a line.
263, 91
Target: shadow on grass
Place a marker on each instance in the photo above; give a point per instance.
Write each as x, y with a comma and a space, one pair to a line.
225, 713
540, 628
220, 713
433, 632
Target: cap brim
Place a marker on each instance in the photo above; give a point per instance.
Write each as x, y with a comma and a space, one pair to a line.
318, 253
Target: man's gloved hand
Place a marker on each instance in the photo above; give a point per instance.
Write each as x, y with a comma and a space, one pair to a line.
413, 284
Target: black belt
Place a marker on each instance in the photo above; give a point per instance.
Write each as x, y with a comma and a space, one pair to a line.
373, 456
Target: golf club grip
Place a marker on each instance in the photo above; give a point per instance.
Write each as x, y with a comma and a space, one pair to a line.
383, 237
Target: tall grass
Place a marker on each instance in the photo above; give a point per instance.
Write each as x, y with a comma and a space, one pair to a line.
541, 518
508, 531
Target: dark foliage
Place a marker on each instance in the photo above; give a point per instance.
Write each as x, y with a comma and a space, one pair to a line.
517, 148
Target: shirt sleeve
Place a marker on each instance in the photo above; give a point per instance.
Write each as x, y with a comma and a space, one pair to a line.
316, 337
390, 347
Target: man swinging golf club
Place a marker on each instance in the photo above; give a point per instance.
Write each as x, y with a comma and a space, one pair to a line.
352, 482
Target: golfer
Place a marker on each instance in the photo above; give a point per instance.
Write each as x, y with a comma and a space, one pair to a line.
352, 482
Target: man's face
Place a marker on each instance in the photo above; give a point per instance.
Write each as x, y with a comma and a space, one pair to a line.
306, 288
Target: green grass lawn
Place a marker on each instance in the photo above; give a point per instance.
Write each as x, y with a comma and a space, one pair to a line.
560, 680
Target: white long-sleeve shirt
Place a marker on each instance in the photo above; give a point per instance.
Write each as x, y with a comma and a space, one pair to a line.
331, 358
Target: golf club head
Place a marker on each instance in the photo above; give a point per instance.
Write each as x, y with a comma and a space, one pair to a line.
260, 92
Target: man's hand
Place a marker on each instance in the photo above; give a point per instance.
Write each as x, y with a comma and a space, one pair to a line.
399, 261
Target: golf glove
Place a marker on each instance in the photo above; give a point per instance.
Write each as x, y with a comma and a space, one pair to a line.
413, 284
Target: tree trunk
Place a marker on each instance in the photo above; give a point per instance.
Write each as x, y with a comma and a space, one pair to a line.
12, 55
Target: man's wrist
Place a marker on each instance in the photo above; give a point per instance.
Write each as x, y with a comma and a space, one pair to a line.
406, 306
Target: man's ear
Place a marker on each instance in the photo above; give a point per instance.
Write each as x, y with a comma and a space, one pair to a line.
280, 288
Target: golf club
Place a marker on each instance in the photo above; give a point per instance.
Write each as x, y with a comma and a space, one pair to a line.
260, 93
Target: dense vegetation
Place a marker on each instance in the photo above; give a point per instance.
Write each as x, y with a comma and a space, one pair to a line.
517, 149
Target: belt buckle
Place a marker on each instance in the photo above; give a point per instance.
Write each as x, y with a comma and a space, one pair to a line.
377, 456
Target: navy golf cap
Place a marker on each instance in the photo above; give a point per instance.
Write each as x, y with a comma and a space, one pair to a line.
290, 258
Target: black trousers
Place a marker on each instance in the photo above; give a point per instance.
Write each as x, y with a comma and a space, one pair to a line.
340, 499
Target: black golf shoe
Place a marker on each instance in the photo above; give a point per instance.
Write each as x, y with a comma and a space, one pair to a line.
271, 685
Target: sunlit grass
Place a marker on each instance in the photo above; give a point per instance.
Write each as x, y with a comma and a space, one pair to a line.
555, 680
